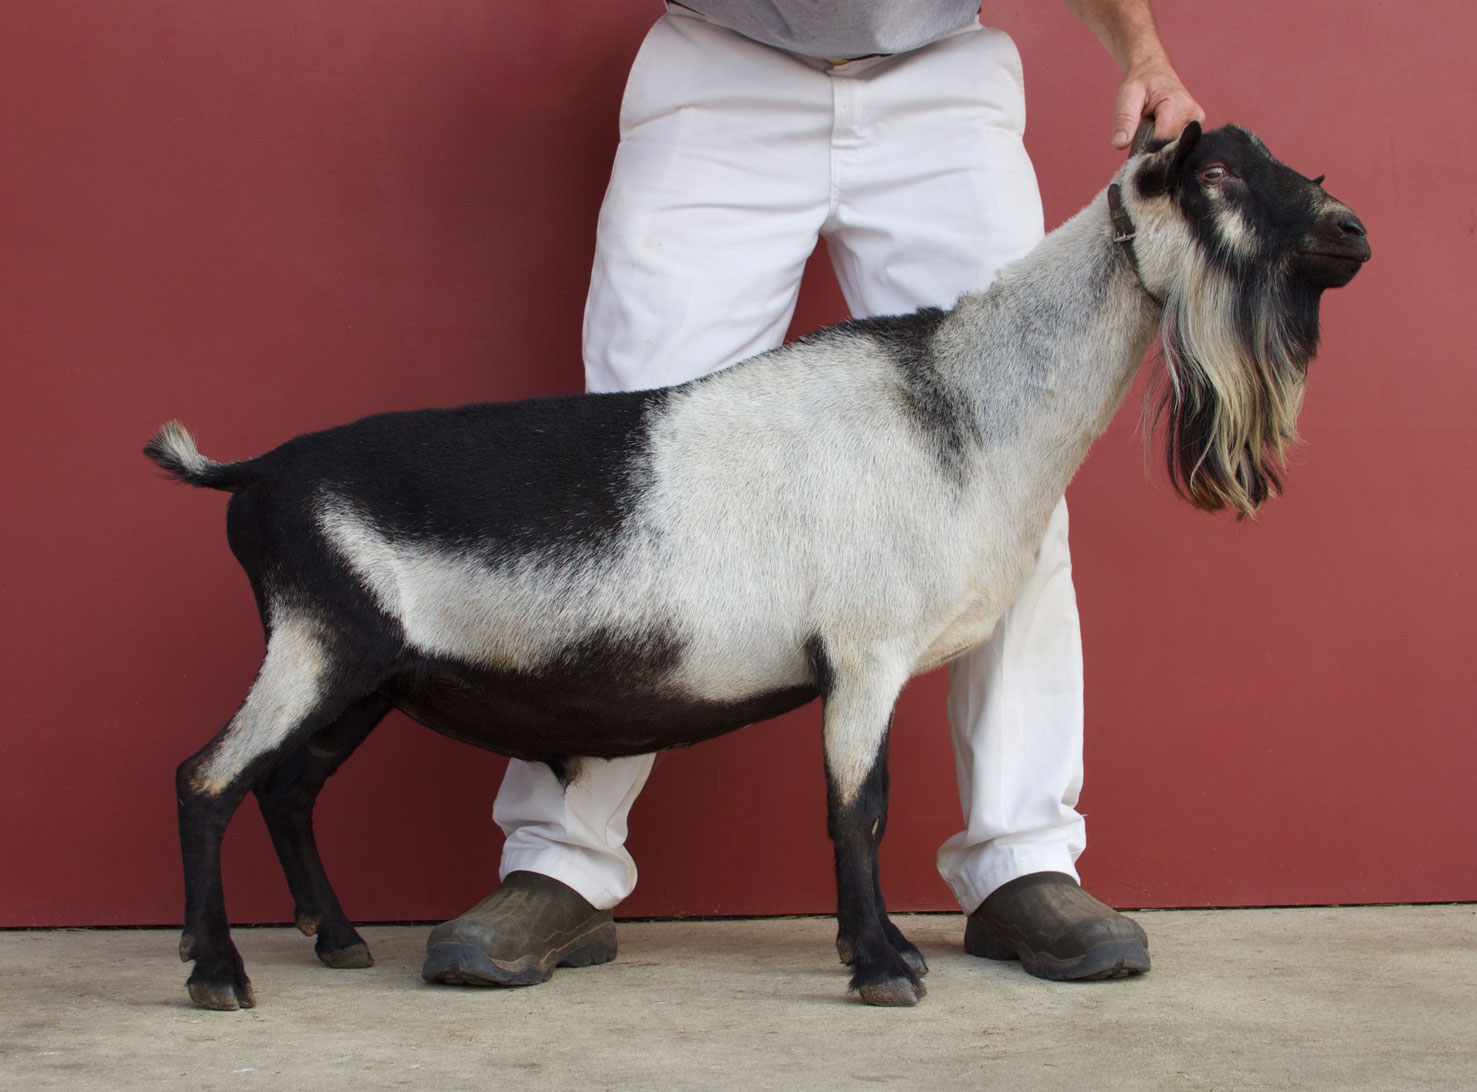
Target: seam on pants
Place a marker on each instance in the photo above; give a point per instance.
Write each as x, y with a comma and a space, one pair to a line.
833, 190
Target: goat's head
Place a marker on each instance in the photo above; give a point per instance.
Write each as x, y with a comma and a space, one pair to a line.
1240, 248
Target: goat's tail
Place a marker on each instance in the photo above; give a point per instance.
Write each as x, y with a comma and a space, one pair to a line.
173, 448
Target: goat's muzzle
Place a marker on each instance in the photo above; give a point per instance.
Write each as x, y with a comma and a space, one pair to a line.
1335, 249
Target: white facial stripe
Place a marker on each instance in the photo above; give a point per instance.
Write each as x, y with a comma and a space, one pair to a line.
1232, 231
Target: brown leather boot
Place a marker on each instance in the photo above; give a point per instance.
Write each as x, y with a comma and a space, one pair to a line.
518, 935
1057, 931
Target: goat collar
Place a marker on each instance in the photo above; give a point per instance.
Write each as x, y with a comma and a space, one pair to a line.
1123, 234
1123, 229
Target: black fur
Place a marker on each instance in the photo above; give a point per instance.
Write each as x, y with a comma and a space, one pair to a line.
592, 703
286, 798
880, 956
569, 470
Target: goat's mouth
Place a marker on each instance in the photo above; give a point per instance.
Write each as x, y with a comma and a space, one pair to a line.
1353, 250
1333, 264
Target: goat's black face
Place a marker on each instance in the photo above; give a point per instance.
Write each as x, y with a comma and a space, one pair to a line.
1251, 212
1240, 301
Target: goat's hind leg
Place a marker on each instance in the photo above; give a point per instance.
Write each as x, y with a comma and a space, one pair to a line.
287, 797
219, 979
292, 698
887, 968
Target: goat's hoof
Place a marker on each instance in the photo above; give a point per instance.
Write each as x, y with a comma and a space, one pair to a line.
348, 957
893, 993
339, 944
915, 961
222, 996
219, 980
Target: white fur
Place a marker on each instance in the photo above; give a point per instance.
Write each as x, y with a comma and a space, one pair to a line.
284, 693
796, 498
792, 497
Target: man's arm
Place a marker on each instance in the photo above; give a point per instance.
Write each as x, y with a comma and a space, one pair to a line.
1150, 86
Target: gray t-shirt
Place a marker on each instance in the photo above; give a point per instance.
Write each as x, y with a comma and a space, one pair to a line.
840, 28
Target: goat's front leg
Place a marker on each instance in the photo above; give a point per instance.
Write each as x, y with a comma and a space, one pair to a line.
900, 944
886, 967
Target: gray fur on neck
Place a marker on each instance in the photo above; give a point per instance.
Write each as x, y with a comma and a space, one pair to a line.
1043, 358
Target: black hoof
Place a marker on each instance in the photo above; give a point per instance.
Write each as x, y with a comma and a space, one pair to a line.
883, 976
224, 996
339, 944
347, 958
893, 993
219, 979
914, 959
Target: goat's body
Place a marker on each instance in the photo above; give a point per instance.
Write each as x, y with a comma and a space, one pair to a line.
605, 575
615, 574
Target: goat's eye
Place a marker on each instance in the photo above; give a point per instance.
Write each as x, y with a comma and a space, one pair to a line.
1213, 174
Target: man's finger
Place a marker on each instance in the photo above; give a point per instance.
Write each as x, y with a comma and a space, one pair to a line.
1127, 111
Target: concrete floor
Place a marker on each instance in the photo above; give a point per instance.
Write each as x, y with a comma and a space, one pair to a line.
1357, 998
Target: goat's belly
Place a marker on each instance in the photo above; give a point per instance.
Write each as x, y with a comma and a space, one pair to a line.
557, 716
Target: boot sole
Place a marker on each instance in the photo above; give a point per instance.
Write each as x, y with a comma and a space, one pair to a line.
1111, 959
457, 964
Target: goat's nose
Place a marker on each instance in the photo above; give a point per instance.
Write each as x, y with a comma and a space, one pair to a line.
1349, 224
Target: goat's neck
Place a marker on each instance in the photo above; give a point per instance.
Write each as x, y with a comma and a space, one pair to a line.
1050, 350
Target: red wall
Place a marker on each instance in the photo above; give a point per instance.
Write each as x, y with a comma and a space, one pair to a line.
270, 217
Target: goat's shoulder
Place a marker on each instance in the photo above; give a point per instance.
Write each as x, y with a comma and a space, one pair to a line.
903, 336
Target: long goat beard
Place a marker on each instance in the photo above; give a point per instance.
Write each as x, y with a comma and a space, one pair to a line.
1235, 358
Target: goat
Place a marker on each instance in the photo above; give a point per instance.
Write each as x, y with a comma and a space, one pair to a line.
613, 574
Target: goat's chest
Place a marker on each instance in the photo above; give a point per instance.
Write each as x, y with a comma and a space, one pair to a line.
971, 628
1001, 565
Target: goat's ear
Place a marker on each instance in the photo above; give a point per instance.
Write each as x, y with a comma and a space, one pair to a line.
1160, 171
1188, 138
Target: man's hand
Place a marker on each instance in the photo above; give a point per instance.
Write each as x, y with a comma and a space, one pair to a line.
1150, 87
1153, 92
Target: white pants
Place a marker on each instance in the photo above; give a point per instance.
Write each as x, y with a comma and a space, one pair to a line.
734, 158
